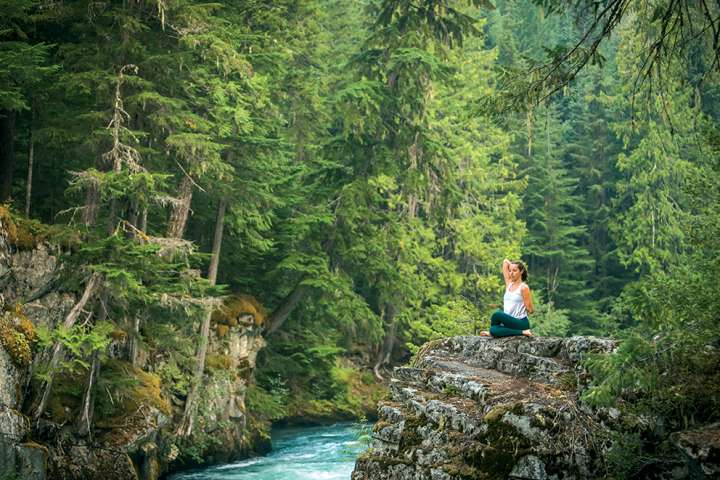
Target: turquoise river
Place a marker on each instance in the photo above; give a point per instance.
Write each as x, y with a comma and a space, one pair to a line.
309, 453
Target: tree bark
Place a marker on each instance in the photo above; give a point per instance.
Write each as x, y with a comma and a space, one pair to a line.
92, 204
7, 153
186, 424
282, 312
28, 184
133, 214
185, 427
179, 213
383, 356
143, 220
217, 241
134, 341
90, 288
85, 420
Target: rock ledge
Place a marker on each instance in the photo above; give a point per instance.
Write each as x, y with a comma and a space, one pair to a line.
475, 407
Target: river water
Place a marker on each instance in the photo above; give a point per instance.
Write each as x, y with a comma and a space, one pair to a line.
308, 453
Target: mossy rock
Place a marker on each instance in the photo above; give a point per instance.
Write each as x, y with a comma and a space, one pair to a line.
26, 234
18, 231
500, 447
410, 436
218, 362
17, 335
384, 460
130, 389
237, 307
426, 347
222, 330
497, 412
380, 424
66, 397
460, 470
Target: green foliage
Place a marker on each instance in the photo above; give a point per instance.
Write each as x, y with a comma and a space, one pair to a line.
553, 246
457, 317
140, 273
625, 457
267, 405
548, 320
666, 366
9, 473
123, 391
24, 63
80, 341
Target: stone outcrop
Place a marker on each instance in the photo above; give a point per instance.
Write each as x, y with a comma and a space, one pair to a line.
138, 445
701, 448
483, 408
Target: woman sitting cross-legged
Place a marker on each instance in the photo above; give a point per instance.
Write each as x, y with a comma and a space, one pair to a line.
517, 303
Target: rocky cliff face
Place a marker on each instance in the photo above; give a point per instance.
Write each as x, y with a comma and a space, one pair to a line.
484, 408
139, 444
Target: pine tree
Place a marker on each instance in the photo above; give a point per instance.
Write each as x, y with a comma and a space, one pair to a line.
553, 246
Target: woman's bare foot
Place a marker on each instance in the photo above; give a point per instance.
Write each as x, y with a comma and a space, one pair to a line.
484, 333
528, 333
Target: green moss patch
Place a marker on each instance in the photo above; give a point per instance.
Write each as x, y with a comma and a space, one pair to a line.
500, 447
26, 234
125, 390
218, 362
410, 436
17, 335
235, 308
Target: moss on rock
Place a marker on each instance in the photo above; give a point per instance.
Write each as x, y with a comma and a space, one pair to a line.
17, 335
128, 390
218, 362
410, 436
239, 308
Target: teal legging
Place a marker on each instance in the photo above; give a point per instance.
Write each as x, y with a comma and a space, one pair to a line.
504, 325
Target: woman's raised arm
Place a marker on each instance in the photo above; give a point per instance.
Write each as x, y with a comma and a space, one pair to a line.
506, 270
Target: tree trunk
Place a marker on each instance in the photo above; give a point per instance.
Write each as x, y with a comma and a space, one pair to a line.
186, 424
217, 241
179, 213
529, 121
143, 220
283, 311
112, 217
134, 341
132, 216
90, 287
28, 184
7, 153
185, 427
92, 204
84, 422
383, 356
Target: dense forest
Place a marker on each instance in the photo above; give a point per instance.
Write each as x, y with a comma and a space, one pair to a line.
355, 172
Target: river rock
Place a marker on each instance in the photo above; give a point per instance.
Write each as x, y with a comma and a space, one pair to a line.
701, 448
477, 407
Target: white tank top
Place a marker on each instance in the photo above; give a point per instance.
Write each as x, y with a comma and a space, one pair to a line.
513, 303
